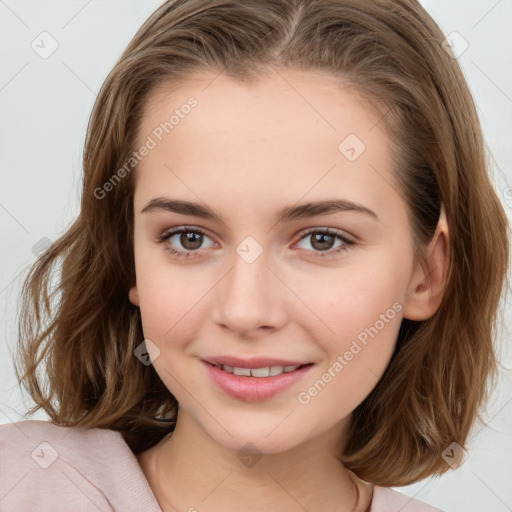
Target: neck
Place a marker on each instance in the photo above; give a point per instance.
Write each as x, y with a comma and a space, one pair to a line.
189, 471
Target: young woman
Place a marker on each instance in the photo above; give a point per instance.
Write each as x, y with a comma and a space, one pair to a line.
281, 288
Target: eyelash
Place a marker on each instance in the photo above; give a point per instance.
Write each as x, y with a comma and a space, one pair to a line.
166, 235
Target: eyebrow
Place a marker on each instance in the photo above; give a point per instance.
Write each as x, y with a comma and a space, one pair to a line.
288, 213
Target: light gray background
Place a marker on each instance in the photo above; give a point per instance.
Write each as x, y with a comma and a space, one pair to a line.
45, 105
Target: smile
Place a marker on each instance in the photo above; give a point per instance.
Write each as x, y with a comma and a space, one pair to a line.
267, 371
256, 383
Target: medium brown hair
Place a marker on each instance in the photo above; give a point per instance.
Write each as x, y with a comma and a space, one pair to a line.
78, 335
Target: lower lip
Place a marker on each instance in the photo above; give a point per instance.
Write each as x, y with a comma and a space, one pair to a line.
252, 389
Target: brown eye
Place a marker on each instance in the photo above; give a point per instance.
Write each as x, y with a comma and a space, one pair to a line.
184, 241
191, 241
323, 241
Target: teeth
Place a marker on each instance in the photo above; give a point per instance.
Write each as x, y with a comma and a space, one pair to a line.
267, 371
242, 371
260, 372
276, 370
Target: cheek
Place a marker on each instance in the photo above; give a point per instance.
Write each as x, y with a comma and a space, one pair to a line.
345, 305
168, 312
356, 357
171, 317
164, 290
173, 302
364, 316
359, 316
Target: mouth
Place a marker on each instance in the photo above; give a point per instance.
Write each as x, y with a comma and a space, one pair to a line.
259, 373
253, 380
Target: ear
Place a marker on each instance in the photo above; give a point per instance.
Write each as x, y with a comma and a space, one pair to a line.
133, 295
427, 284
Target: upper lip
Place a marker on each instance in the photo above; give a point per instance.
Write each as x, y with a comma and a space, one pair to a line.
253, 362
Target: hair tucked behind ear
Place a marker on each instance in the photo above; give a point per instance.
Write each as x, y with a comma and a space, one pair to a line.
77, 340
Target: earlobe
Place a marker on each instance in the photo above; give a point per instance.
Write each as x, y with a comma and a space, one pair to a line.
133, 295
428, 284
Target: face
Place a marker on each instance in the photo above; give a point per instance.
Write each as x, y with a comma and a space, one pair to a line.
304, 303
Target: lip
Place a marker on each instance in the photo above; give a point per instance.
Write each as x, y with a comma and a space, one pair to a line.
253, 389
253, 362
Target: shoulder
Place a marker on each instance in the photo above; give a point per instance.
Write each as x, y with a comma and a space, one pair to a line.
48, 467
386, 499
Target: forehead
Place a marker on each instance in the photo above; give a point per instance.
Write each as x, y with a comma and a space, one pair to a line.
276, 101
291, 134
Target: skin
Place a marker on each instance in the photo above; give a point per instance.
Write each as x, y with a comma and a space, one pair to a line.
247, 151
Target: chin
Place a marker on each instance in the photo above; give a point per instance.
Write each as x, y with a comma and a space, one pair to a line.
261, 437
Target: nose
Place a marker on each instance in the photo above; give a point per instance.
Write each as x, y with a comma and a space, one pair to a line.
250, 299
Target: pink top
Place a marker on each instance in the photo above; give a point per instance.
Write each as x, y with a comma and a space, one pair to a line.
44, 467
